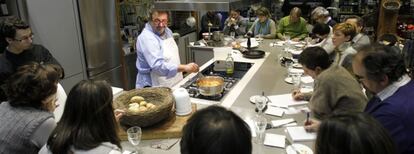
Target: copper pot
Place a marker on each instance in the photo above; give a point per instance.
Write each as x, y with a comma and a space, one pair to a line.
210, 85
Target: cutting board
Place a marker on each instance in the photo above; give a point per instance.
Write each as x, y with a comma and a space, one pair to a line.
168, 128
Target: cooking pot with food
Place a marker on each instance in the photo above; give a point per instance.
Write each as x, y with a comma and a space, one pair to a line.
210, 85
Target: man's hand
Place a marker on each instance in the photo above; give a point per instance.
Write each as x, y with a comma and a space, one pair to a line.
191, 67
313, 125
297, 95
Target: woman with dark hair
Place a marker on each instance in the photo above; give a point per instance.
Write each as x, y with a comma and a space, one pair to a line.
88, 123
323, 34
216, 130
356, 133
27, 117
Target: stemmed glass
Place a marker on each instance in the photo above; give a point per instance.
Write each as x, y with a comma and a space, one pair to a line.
260, 123
134, 136
260, 103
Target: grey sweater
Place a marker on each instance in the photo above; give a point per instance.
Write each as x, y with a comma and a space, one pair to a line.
18, 124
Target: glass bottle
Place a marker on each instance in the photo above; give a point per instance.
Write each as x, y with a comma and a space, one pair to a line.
229, 65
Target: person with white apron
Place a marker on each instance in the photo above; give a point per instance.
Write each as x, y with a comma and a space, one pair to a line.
158, 60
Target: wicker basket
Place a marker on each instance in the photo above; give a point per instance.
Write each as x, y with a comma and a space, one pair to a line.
161, 97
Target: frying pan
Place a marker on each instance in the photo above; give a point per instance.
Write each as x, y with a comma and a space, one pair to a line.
253, 53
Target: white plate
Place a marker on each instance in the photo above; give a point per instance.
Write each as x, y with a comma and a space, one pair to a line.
303, 79
299, 45
252, 99
296, 52
301, 149
295, 70
297, 65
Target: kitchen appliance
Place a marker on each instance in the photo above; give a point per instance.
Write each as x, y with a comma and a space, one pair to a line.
84, 36
240, 69
210, 85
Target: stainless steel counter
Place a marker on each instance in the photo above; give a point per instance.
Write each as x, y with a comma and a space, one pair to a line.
268, 78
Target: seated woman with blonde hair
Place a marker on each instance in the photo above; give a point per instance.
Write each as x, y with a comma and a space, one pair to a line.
26, 119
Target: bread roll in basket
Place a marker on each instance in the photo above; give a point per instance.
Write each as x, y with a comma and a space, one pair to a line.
160, 97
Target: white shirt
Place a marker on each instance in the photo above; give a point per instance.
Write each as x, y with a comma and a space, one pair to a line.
392, 88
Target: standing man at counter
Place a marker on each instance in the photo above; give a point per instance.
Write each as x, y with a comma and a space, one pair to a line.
158, 61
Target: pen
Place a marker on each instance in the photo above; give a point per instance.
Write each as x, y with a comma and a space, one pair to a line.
307, 119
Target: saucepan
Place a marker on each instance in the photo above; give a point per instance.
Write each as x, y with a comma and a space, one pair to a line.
210, 85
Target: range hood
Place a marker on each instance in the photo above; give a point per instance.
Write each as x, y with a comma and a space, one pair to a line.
197, 5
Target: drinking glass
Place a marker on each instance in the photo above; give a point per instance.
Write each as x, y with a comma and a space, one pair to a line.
296, 79
134, 136
260, 103
289, 66
260, 123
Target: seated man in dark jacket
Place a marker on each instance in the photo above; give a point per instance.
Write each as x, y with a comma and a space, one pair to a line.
16, 45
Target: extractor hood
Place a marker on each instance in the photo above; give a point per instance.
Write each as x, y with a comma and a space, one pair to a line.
197, 5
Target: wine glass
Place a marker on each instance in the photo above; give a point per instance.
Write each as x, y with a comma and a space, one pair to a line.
260, 123
289, 66
134, 136
260, 103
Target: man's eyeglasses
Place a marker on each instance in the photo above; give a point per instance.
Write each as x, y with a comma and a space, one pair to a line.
25, 38
156, 21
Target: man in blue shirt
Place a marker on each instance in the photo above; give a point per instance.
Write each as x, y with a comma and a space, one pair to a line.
158, 61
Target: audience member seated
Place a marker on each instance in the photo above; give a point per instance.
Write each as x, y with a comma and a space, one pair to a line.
323, 34
18, 49
381, 70
235, 24
88, 123
263, 25
26, 119
341, 39
321, 16
353, 133
360, 39
335, 89
212, 20
216, 130
293, 26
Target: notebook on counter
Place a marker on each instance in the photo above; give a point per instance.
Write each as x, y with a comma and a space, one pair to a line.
297, 134
284, 100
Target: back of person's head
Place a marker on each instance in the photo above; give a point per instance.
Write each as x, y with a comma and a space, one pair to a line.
380, 60
346, 28
8, 29
321, 29
319, 12
359, 20
263, 11
216, 130
88, 119
313, 57
353, 133
388, 39
31, 84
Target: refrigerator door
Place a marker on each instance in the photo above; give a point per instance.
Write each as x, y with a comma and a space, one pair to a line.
100, 34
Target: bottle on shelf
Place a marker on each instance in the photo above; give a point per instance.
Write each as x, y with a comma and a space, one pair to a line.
229, 65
